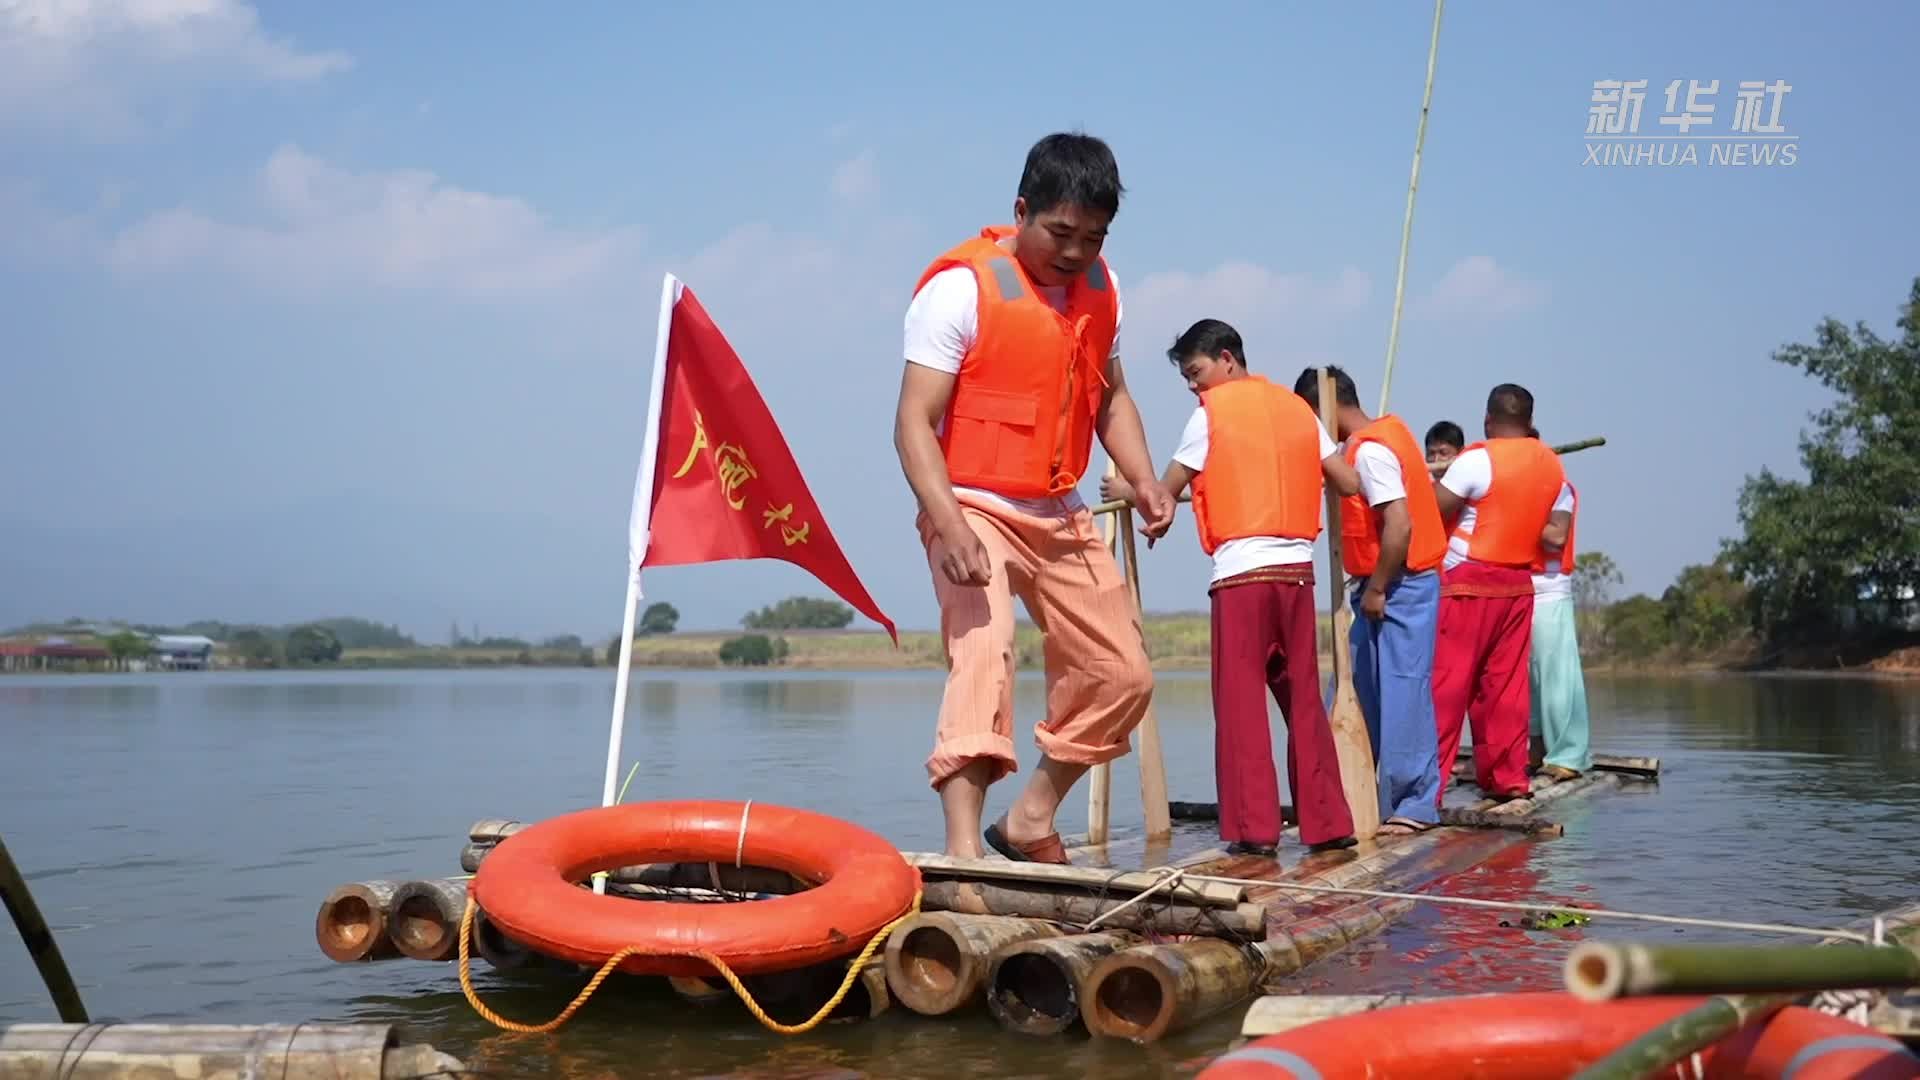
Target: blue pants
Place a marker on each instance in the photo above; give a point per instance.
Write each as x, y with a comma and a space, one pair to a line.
1393, 677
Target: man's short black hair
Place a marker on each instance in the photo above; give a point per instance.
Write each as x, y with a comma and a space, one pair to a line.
1208, 337
1344, 392
1074, 169
1447, 433
1512, 403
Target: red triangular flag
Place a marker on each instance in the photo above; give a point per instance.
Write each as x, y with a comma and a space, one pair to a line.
725, 486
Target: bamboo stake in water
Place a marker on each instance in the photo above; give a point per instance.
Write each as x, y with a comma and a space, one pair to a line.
1406, 227
1100, 779
1600, 971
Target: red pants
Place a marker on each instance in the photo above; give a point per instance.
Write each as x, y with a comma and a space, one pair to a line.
1480, 672
1263, 641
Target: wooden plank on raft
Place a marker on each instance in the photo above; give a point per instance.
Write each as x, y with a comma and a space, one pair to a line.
1117, 883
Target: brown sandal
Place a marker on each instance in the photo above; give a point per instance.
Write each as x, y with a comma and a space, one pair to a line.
1047, 849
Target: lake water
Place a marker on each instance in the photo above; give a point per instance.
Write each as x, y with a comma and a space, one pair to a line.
180, 830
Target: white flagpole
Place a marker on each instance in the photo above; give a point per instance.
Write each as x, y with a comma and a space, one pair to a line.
639, 525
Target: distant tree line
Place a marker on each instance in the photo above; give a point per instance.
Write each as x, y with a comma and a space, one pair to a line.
1833, 559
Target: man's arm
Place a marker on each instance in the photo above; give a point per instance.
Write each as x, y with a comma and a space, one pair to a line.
1343, 478
1125, 439
1554, 536
924, 393
1450, 504
1396, 535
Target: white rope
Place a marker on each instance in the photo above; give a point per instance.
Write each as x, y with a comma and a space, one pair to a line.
1171, 878
1508, 905
740, 845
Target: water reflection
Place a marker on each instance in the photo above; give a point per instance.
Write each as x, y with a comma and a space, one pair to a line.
179, 830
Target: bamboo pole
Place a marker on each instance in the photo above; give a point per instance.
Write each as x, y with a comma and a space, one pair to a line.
1036, 987
1406, 227
1114, 506
938, 961
1076, 908
426, 918
352, 924
38, 938
1100, 777
1720, 1016
1358, 777
1153, 767
218, 1052
1601, 971
1110, 882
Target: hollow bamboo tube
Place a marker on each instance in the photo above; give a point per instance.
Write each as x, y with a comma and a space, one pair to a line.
1600, 971
938, 961
1124, 882
353, 922
1152, 915
1036, 987
217, 1052
425, 924
496, 948
1720, 1016
1145, 992
493, 830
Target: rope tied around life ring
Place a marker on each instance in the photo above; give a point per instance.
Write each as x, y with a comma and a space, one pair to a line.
719, 965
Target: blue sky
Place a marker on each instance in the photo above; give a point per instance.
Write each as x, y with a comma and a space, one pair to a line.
347, 309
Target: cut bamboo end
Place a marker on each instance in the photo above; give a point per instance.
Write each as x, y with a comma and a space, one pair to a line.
1596, 971
426, 918
1131, 1000
352, 923
493, 830
938, 961
1036, 987
501, 952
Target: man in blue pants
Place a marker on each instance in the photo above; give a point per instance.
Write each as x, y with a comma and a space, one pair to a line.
1392, 544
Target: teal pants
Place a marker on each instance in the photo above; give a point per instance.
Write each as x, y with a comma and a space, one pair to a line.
1558, 687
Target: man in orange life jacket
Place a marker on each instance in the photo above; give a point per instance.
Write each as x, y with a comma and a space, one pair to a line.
1391, 541
1012, 368
1513, 502
1255, 454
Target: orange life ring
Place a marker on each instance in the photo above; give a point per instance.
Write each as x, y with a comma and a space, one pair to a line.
529, 886
1550, 1035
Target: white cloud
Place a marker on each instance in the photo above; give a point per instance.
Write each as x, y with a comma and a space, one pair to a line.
854, 179
325, 226
1478, 287
1279, 314
105, 67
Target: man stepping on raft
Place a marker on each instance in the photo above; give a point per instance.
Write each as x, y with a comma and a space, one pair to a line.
1012, 367
1559, 687
1391, 543
1512, 499
1255, 454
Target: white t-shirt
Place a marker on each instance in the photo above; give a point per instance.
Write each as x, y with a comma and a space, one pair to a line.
942, 324
1380, 477
1470, 476
1248, 552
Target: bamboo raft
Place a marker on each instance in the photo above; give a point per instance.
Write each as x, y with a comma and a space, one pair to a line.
1043, 949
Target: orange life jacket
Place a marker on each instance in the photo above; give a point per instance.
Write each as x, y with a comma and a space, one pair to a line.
1020, 421
1526, 480
1262, 475
1566, 550
1360, 523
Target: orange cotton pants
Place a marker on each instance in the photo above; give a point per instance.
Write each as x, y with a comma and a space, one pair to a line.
1098, 678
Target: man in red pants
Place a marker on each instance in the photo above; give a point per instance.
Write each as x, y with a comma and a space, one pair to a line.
1255, 454
1513, 502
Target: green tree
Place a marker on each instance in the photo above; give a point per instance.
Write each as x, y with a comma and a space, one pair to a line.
254, 648
312, 644
753, 650
1638, 627
659, 618
799, 613
562, 641
1810, 549
1706, 607
126, 646
1595, 575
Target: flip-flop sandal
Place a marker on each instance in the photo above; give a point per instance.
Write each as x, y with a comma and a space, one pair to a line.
1047, 849
1333, 845
1402, 827
1560, 773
